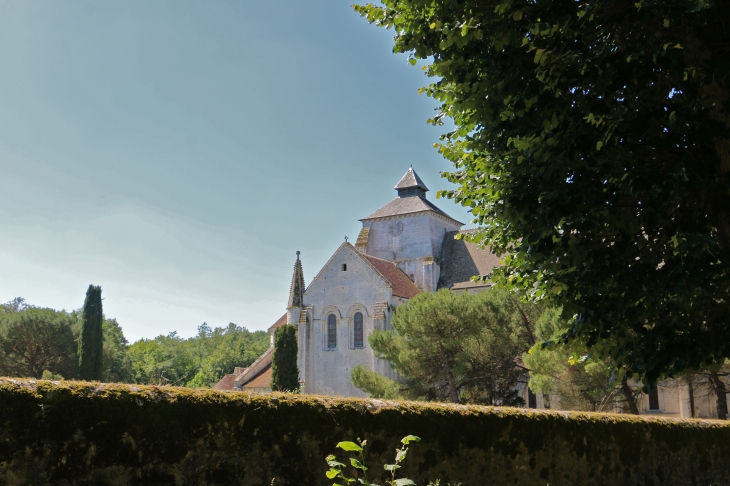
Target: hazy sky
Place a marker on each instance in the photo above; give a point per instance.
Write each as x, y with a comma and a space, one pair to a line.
179, 153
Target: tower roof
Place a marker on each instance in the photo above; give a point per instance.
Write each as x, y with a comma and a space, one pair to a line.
410, 179
296, 291
411, 199
407, 205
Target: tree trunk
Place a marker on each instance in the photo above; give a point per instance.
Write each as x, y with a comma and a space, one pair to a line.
629, 395
449, 378
546, 401
721, 393
691, 390
527, 324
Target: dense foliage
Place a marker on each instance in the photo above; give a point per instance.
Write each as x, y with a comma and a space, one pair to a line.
38, 342
284, 369
199, 361
34, 340
91, 338
591, 144
575, 378
454, 347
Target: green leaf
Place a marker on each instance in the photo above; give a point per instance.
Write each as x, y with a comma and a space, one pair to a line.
599, 145
401, 455
357, 464
517, 15
391, 467
410, 438
349, 446
332, 473
403, 482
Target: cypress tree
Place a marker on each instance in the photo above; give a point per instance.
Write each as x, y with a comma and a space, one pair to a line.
284, 369
91, 342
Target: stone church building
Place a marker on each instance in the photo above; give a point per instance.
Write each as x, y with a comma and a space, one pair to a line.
404, 248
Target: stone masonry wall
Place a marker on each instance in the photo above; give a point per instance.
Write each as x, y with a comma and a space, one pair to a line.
334, 291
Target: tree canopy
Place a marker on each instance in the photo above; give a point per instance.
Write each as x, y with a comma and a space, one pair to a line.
91, 339
456, 347
571, 374
284, 368
591, 144
34, 340
199, 361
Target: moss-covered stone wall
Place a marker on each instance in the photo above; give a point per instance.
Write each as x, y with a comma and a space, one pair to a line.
89, 433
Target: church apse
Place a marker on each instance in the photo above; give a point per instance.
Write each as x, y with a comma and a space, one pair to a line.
404, 248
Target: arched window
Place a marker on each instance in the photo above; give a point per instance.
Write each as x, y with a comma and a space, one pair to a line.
331, 331
358, 330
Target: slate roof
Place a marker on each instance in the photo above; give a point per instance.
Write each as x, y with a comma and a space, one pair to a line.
400, 283
462, 260
282, 320
410, 179
225, 383
407, 205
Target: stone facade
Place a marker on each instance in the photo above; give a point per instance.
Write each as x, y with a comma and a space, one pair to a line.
347, 284
405, 247
400, 252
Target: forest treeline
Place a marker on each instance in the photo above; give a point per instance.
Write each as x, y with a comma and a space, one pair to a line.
40, 342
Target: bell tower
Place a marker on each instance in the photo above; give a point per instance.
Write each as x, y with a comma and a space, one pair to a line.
409, 231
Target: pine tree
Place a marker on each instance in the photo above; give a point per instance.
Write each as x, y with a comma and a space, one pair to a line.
284, 369
91, 343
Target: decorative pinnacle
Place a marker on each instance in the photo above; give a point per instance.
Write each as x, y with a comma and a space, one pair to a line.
296, 291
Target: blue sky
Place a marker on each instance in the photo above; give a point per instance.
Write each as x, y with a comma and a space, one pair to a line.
179, 153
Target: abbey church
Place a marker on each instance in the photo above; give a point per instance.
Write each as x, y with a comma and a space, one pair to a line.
404, 248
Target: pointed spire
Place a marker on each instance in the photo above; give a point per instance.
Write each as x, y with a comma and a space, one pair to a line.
411, 185
296, 291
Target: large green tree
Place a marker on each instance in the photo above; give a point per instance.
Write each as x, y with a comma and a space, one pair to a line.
454, 347
284, 369
571, 374
91, 340
33, 340
591, 144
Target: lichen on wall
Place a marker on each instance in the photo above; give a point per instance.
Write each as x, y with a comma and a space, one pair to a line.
91, 433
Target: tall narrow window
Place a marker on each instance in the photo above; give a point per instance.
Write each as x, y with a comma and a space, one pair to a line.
531, 399
358, 330
654, 399
331, 331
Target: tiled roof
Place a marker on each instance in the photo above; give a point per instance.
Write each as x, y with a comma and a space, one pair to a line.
410, 179
406, 205
282, 320
262, 380
462, 260
400, 283
261, 363
225, 383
